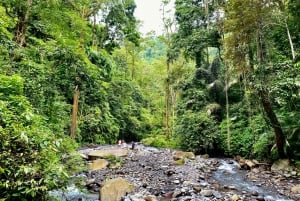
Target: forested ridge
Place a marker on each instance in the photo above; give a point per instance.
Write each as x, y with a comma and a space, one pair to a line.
223, 79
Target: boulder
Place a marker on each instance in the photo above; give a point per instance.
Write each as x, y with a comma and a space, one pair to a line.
250, 164
235, 197
281, 165
115, 189
117, 152
296, 189
246, 163
206, 193
98, 164
182, 155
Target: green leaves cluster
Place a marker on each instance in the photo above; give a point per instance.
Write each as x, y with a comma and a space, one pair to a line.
32, 158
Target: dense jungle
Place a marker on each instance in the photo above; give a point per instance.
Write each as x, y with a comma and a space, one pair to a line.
223, 80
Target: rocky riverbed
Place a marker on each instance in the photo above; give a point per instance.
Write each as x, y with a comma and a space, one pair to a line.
164, 175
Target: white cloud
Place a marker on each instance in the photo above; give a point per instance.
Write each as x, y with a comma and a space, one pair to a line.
149, 12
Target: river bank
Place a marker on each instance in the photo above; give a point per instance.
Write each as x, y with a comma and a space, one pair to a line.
156, 176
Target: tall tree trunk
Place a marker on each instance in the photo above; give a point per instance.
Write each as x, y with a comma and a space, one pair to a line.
167, 101
290, 40
74, 112
133, 65
264, 98
227, 111
23, 20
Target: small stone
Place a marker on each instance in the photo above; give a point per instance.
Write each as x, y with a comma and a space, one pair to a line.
197, 188
176, 181
169, 172
176, 193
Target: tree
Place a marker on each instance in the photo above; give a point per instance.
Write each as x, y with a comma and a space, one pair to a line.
246, 23
195, 31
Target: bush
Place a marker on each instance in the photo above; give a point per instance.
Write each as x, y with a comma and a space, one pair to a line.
33, 159
241, 138
196, 131
263, 146
161, 141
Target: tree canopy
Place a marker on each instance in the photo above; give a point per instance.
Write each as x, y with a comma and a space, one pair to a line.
225, 81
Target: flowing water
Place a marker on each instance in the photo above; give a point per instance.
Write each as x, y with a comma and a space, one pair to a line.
229, 174
72, 193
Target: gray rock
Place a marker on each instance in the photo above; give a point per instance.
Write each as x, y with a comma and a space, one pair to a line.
217, 194
281, 165
206, 193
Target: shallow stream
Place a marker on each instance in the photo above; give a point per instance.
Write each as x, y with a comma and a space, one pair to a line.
229, 174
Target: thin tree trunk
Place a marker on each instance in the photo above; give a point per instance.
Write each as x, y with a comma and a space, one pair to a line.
167, 101
23, 20
290, 39
133, 65
263, 94
74, 112
227, 112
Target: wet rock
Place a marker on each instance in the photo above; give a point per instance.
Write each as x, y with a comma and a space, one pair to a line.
114, 189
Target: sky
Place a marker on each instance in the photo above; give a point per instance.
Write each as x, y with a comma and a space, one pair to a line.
149, 12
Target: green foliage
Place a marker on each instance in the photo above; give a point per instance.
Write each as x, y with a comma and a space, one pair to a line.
194, 32
33, 159
196, 132
161, 141
263, 145
129, 112
11, 85
98, 126
241, 138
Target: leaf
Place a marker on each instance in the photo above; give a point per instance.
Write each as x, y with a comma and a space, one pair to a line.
1, 171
